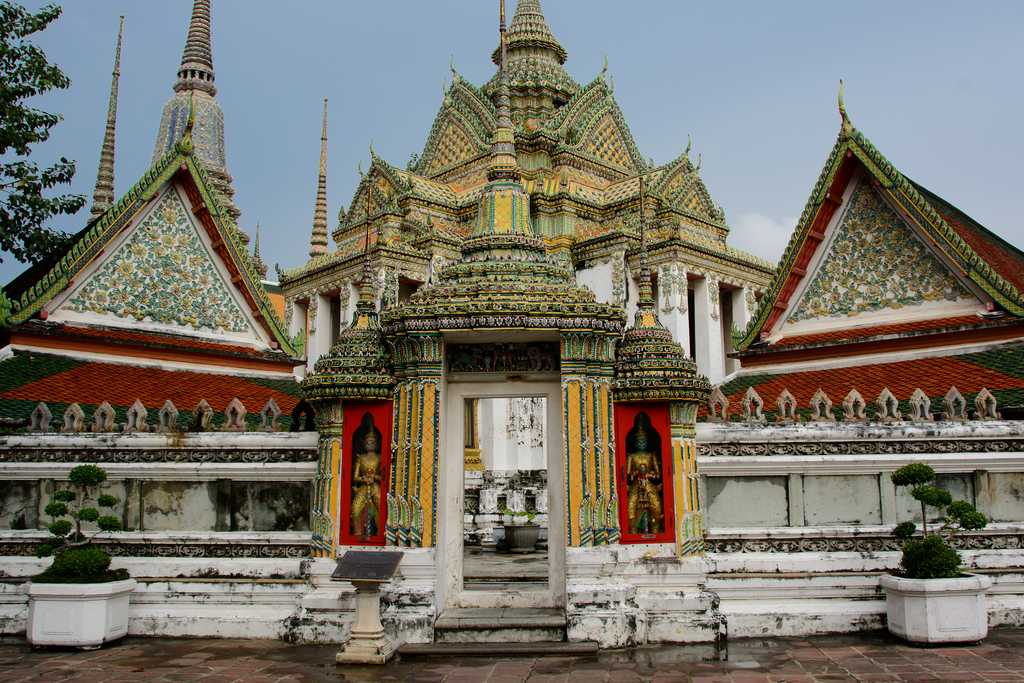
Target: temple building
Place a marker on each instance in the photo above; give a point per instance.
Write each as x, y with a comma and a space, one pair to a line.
531, 365
580, 165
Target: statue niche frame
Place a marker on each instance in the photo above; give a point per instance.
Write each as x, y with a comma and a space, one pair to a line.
653, 420
360, 417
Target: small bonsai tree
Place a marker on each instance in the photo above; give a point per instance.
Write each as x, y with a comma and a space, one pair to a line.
530, 515
932, 556
75, 558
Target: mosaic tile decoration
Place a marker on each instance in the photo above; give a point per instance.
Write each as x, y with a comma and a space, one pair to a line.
163, 273
875, 263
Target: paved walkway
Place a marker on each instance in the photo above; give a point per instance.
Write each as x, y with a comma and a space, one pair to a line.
871, 657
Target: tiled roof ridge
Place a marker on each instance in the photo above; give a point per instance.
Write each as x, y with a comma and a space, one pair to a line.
120, 336
871, 332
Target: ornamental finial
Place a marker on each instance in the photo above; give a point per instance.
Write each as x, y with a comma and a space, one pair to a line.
841, 102
196, 71
646, 288
318, 240
103, 194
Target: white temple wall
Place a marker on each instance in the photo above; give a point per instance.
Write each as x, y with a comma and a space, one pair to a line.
600, 279
800, 518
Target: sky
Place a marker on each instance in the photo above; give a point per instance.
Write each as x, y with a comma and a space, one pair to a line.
935, 85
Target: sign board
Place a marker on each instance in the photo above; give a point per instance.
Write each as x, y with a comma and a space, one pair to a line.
369, 565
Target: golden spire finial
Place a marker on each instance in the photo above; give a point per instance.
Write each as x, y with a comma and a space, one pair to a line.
103, 194
646, 287
318, 239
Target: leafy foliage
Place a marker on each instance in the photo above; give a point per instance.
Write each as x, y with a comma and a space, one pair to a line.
904, 530
932, 556
24, 208
75, 558
85, 564
914, 474
932, 496
87, 475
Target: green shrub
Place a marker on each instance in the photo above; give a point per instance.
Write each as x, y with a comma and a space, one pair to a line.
932, 555
914, 474
930, 558
75, 559
904, 530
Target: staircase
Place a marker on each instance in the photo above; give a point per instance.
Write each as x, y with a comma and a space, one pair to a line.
493, 631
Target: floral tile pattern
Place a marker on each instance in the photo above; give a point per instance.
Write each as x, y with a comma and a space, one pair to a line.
163, 273
875, 263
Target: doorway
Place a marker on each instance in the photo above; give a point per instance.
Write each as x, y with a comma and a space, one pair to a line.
502, 535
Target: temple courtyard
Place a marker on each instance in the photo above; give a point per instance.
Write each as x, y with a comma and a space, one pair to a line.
874, 656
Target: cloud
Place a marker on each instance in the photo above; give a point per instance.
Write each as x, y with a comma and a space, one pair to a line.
761, 235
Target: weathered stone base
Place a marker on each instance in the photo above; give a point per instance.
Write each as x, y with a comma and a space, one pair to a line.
625, 596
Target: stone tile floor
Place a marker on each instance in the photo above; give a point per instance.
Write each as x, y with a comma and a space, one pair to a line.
863, 657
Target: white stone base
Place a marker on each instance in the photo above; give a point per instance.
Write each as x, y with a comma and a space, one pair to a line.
78, 615
937, 610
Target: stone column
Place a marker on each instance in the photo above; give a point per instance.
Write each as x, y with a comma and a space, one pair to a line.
673, 295
591, 505
321, 328
743, 307
415, 442
708, 320
325, 501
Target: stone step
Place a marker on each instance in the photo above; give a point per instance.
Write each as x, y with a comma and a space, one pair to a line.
496, 649
500, 625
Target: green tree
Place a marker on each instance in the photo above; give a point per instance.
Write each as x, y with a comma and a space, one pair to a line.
24, 206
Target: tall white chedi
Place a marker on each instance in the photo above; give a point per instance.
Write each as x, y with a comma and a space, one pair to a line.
195, 87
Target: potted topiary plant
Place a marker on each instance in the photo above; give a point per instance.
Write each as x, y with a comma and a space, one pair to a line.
930, 599
78, 600
521, 534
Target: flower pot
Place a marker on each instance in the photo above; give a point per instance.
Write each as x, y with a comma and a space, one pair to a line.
937, 610
78, 614
521, 538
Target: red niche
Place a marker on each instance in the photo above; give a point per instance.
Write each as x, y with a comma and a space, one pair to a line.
365, 468
643, 471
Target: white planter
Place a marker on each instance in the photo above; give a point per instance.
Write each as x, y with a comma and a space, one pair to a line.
937, 610
78, 614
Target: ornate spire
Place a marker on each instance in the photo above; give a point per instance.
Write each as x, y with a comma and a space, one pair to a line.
103, 195
261, 267
646, 289
196, 72
504, 205
318, 241
195, 78
534, 64
649, 364
367, 288
503, 163
530, 29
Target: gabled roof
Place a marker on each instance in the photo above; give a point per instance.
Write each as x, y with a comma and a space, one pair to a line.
981, 257
576, 125
461, 130
35, 288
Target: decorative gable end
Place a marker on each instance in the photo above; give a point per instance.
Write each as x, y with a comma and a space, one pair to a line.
163, 274
606, 143
873, 265
452, 147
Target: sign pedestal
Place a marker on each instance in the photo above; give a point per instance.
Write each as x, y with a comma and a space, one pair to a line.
368, 643
367, 570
